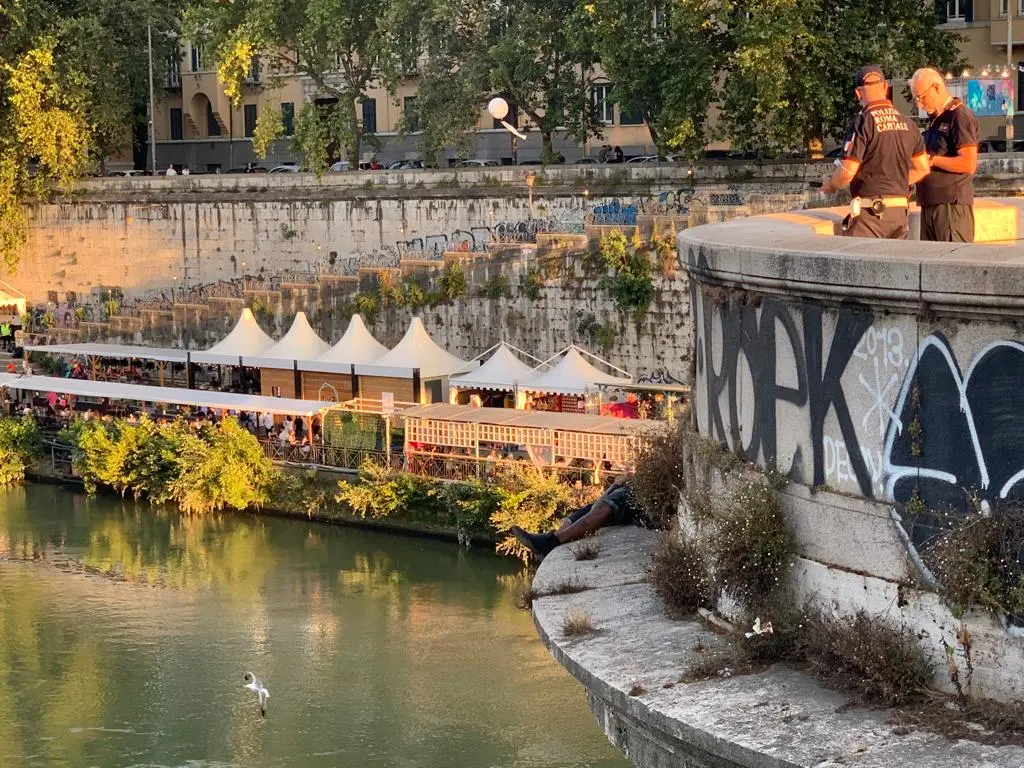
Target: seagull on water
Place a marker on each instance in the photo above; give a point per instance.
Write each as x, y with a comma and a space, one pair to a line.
256, 687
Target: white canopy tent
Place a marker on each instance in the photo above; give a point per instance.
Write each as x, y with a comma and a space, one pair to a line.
418, 350
246, 339
573, 375
169, 395
503, 370
357, 345
114, 351
300, 343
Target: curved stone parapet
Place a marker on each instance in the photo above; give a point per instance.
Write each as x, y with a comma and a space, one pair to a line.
631, 666
877, 376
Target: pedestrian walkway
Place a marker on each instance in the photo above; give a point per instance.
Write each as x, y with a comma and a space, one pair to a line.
781, 718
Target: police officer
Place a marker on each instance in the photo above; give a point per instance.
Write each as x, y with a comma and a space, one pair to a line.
883, 155
946, 195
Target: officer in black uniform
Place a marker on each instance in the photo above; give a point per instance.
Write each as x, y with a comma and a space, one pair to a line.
946, 196
883, 156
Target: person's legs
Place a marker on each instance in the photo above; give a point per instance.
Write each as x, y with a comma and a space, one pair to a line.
612, 507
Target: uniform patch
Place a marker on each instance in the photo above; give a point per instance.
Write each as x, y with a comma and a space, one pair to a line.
943, 127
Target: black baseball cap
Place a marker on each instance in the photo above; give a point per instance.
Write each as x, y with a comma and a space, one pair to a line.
868, 75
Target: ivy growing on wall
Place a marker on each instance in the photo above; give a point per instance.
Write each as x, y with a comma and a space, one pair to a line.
629, 281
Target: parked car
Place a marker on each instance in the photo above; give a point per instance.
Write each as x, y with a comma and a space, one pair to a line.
999, 145
477, 163
286, 168
123, 173
339, 167
587, 161
405, 165
530, 162
643, 160
243, 169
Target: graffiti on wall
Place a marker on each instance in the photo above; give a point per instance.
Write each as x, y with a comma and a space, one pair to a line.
841, 397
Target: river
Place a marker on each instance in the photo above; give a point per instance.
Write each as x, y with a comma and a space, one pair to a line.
125, 632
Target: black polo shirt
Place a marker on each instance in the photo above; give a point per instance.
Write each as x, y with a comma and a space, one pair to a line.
883, 141
947, 133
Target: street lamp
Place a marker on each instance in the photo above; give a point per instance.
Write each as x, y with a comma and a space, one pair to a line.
531, 177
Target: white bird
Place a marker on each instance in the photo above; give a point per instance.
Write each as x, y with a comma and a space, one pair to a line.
256, 687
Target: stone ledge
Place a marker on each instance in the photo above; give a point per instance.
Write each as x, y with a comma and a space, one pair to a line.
780, 718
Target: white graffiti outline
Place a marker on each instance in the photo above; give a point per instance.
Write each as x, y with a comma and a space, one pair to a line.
880, 396
895, 472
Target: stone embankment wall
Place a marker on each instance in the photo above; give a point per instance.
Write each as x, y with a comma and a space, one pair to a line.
172, 261
882, 379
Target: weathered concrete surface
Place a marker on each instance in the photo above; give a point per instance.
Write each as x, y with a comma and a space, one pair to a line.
778, 718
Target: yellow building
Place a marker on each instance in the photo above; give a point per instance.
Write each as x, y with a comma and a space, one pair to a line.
996, 84
196, 125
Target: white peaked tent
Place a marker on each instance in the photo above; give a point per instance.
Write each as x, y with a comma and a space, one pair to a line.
418, 350
300, 343
503, 370
573, 375
356, 346
246, 339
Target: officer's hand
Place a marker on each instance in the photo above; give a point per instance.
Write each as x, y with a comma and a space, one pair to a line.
826, 184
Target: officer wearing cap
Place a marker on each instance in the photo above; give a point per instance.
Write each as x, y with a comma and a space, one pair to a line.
883, 156
946, 196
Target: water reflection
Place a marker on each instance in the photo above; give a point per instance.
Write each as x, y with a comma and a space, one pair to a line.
124, 632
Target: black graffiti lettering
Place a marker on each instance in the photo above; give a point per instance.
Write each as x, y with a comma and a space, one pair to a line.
825, 390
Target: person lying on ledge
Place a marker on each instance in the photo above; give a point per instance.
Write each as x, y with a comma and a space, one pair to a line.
614, 507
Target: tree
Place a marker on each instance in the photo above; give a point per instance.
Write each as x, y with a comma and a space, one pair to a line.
73, 80
537, 54
788, 76
344, 47
663, 59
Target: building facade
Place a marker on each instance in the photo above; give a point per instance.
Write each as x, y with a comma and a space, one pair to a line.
196, 125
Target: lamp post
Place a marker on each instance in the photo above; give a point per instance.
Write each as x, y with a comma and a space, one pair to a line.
531, 177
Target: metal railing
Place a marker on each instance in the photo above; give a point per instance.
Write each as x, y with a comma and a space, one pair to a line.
331, 456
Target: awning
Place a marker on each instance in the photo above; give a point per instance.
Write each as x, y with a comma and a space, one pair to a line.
502, 371
113, 351
300, 343
418, 350
245, 339
357, 346
169, 395
572, 375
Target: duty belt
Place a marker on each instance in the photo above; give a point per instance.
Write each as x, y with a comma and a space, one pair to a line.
876, 204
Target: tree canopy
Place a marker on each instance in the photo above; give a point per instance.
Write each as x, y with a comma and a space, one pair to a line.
73, 84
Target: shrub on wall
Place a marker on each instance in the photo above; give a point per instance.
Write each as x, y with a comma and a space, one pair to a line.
630, 284
530, 499
659, 478
751, 547
679, 576
383, 492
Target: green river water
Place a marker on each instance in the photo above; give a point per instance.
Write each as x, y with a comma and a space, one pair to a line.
125, 632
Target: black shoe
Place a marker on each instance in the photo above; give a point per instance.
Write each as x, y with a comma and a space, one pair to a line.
540, 544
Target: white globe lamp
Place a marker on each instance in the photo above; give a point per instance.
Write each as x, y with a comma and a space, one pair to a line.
498, 108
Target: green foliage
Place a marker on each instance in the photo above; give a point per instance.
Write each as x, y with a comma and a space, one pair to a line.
666, 74
344, 47
414, 297
531, 283
269, 128
475, 50
20, 443
752, 546
976, 560
382, 492
881, 662
471, 504
452, 283
679, 576
367, 305
659, 473
630, 283
218, 468
531, 499
789, 68
496, 287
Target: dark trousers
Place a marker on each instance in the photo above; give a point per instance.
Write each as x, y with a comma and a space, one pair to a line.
890, 225
948, 223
